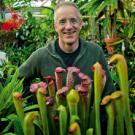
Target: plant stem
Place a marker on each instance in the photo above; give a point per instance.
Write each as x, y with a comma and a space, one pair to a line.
43, 110
72, 100
74, 129
58, 77
62, 119
17, 99
98, 89
61, 96
116, 96
89, 131
123, 82
29, 128
109, 106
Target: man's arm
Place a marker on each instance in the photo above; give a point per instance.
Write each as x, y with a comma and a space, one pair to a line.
28, 71
28, 68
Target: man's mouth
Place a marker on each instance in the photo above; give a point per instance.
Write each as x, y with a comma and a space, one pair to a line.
69, 33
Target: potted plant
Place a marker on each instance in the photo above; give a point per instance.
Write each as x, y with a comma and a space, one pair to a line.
8, 28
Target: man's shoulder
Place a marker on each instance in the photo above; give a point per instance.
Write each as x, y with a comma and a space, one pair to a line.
47, 48
41, 49
92, 46
39, 53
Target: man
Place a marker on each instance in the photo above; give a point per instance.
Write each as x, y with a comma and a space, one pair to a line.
66, 51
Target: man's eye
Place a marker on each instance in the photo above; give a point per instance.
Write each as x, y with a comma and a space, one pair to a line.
74, 21
62, 22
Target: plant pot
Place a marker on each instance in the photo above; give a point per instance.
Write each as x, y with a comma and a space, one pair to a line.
112, 40
111, 43
125, 22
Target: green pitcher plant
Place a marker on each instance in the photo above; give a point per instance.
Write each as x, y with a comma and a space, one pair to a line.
66, 110
122, 70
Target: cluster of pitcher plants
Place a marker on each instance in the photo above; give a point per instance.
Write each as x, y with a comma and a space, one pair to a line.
63, 110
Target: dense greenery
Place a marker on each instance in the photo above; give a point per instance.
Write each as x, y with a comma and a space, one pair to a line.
103, 20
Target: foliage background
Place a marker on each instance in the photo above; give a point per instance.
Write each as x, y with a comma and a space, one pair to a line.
102, 19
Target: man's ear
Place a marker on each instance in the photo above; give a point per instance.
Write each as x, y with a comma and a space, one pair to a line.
81, 24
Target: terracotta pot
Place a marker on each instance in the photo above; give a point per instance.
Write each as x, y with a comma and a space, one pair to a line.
125, 22
111, 40
111, 43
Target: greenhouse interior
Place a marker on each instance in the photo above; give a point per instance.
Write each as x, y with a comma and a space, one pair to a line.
67, 67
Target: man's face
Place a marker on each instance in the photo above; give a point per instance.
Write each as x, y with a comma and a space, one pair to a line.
68, 24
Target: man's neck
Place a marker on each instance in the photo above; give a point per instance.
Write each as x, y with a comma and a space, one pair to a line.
68, 48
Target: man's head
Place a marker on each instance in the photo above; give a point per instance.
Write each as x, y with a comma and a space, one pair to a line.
65, 4
67, 23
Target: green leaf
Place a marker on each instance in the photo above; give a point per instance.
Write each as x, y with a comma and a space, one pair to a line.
6, 94
31, 107
133, 116
11, 116
4, 119
29, 14
43, 26
9, 134
46, 11
101, 6
1, 87
18, 127
38, 124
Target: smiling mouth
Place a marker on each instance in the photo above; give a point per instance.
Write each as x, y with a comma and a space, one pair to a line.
69, 33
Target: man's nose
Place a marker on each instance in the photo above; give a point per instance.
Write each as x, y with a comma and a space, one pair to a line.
68, 25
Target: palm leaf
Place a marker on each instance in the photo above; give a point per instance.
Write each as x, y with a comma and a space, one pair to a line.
6, 92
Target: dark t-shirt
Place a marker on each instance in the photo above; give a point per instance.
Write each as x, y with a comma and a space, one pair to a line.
68, 58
